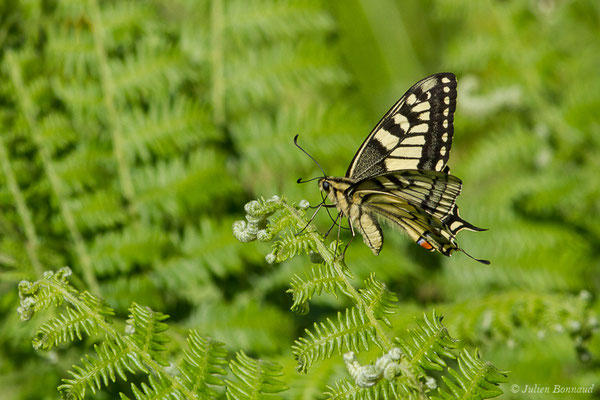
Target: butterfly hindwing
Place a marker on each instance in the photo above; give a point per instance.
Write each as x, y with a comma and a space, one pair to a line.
368, 226
416, 133
431, 191
421, 202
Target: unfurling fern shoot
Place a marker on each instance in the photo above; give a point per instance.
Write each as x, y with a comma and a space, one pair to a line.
400, 172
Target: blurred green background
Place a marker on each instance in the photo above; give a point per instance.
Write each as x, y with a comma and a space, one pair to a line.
133, 132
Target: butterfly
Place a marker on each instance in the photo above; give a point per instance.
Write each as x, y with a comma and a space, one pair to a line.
400, 174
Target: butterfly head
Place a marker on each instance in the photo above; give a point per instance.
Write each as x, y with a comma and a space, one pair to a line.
327, 187
324, 185
335, 188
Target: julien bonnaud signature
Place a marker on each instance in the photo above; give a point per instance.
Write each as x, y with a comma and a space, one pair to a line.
555, 389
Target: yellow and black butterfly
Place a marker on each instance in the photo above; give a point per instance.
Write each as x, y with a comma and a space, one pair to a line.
399, 173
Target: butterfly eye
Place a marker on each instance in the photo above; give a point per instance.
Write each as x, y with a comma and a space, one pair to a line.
326, 186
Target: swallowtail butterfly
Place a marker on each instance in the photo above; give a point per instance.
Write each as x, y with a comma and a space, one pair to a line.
399, 173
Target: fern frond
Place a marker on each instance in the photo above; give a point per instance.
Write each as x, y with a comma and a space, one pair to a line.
158, 388
101, 209
429, 344
260, 328
147, 329
63, 328
166, 129
257, 212
269, 73
401, 373
267, 20
358, 326
256, 379
48, 291
117, 354
202, 365
379, 299
30, 113
289, 245
320, 278
352, 331
113, 358
153, 69
499, 316
285, 223
347, 390
120, 251
477, 379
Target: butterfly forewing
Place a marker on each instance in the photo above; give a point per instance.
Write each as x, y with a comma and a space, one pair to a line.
416, 133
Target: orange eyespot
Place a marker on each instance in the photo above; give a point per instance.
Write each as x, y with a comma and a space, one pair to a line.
424, 244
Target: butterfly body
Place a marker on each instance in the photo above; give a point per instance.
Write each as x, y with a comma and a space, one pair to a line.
399, 173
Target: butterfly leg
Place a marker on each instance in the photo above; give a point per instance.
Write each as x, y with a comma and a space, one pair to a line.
331, 227
310, 220
337, 241
349, 241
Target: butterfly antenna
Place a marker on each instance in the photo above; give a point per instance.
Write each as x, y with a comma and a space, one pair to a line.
481, 260
309, 180
311, 157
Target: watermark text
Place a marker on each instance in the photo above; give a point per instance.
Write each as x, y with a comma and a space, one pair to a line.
551, 389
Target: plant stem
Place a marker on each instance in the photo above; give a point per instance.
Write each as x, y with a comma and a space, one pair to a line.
32, 243
216, 62
114, 123
29, 112
339, 267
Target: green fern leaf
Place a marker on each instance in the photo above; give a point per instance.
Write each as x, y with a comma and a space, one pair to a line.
202, 365
63, 328
112, 358
379, 299
430, 341
477, 379
158, 389
148, 331
346, 390
290, 245
320, 278
256, 379
352, 331
41, 294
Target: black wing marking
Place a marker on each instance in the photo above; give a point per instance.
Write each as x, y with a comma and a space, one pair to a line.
416, 133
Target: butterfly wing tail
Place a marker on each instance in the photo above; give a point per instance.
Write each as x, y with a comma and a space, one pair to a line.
455, 223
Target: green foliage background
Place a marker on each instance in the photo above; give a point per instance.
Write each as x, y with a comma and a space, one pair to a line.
133, 132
